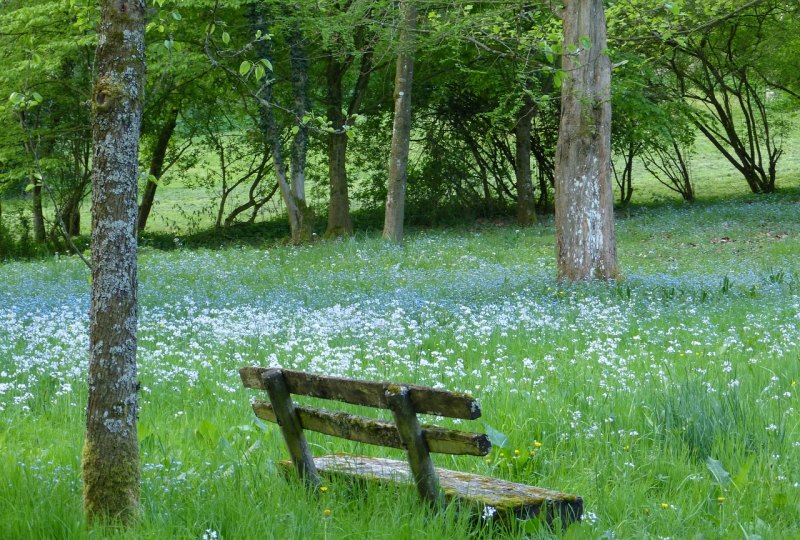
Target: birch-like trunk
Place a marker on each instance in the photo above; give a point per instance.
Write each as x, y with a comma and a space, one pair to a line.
585, 238
111, 449
401, 131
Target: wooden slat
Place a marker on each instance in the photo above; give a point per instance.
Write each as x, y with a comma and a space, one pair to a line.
372, 394
371, 431
508, 499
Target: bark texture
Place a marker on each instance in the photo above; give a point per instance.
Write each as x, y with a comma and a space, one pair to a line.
401, 131
585, 238
111, 450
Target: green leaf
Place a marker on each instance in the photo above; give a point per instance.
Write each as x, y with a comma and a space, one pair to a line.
741, 478
585, 42
29, 187
497, 438
558, 77
722, 476
260, 72
176, 16
244, 68
267, 63
226, 38
548, 53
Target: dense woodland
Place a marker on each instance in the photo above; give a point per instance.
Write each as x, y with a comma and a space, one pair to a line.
257, 102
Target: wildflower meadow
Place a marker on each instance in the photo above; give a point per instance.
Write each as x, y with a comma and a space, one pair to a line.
667, 399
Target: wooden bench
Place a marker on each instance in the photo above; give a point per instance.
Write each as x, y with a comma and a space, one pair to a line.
487, 495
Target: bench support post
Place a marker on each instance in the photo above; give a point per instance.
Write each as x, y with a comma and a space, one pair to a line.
290, 425
419, 458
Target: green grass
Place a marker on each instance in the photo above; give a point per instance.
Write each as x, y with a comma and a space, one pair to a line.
638, 395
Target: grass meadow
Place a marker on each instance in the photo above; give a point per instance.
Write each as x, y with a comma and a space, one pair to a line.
668, 400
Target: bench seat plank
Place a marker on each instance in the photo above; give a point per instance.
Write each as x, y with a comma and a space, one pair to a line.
369, 393
509, 499
371, 431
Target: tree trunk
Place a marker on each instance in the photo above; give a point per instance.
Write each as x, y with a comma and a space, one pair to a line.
269, 128
522, 164
401, 132
156, 167
111, 451
339, 222
299, 66
38, 214
585, 238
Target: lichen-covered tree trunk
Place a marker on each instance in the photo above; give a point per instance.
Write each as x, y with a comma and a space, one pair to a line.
585, 238
111, 449
401, 131
156, 167
522, 163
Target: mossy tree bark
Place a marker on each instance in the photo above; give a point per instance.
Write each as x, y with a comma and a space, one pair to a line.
585, 238
401, 131
111, 449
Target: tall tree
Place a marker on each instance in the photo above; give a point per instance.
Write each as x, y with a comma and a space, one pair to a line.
585, 238
111, 449
401, 132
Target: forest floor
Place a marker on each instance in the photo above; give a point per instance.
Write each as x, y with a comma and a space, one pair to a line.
668, 400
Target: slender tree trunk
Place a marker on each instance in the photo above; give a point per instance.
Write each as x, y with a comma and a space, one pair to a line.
269, 128
299, 66
111, 449
526, 213
585, 238
38, 214
401, 132
156, 167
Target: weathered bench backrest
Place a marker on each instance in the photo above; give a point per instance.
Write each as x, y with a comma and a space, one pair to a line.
405, 402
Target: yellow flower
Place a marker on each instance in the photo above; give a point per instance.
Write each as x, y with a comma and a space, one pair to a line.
537, 444
720, 500
323, 489
665, 506
516, 452
327, 512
